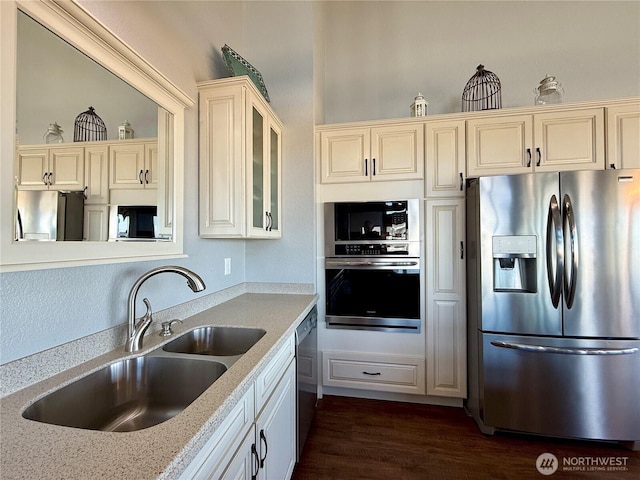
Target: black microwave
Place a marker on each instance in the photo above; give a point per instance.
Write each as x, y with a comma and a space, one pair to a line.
133, 222
378, 228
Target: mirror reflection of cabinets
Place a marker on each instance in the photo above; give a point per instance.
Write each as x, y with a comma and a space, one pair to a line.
152, 175
240, 175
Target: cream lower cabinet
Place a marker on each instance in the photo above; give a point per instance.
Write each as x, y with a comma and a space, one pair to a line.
446, 370
257, 439
623, 136
239, 162
372, 154
552, 141
373, 371
96, 223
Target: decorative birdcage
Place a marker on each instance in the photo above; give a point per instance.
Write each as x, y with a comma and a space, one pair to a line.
89, 127
482, 91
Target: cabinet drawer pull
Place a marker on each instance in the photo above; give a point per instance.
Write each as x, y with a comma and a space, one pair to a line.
461, 181
366, 167
373, 160
140, 177
539, 156
44, 178
529, 155
372, 374
146, 176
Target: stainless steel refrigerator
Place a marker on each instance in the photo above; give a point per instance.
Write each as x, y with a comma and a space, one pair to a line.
49, 215
554, 304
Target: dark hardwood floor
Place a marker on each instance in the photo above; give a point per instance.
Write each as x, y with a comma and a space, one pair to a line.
375, 440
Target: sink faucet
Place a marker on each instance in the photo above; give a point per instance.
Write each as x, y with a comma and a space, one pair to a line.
135, 332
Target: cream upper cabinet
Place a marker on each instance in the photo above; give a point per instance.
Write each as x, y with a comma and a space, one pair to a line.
41, 167
372, 153
240, 161
445, 158
623, 136
133, 165
547, 141
263, 173
446, 373
96, 174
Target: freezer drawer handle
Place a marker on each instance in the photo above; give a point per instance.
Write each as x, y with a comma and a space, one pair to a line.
566, 351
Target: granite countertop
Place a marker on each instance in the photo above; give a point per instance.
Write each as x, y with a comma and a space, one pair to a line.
31, 449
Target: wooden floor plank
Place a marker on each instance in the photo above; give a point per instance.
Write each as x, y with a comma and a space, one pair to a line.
355, 438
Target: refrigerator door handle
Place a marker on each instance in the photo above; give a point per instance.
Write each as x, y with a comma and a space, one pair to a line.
564, 350
555, 260
20, 229
572, 271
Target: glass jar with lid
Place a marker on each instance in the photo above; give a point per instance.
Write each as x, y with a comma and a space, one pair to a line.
53, 134
549, 91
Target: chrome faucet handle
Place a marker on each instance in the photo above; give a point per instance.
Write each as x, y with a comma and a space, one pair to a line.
148, 314
166, 327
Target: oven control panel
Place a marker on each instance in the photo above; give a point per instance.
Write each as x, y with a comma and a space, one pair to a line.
355, 249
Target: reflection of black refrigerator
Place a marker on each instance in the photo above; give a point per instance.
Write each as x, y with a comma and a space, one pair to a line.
554, 304
49, 215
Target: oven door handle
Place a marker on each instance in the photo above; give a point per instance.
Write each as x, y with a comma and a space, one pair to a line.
370, 263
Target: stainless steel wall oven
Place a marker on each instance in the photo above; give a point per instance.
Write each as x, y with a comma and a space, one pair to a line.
372, 265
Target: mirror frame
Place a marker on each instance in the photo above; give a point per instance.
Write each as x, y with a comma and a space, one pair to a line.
74, 24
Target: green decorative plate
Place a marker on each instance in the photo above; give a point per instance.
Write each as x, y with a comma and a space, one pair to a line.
239, 66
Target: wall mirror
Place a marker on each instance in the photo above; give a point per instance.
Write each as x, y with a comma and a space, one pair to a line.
70, 87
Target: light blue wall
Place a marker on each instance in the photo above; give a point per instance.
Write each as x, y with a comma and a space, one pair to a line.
379, 55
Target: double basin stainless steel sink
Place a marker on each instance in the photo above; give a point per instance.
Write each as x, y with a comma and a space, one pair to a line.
140, 392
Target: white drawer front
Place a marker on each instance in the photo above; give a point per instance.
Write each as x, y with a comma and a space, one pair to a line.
387, 373
269, 378
224, 442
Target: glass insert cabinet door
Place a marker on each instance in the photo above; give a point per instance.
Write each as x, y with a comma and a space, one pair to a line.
265, 171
